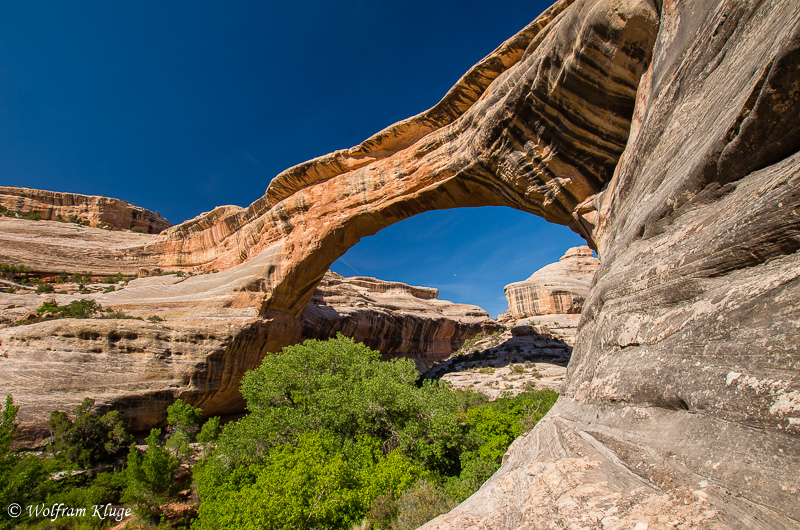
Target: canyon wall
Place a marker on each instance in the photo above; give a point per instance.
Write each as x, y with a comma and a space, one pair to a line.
139, 364
554, 295
526, 127
559, 288
397, 319
682, 400
90, 209
666, 133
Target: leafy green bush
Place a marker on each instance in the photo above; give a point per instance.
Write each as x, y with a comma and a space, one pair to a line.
81, 278
32, 216
317, 483
492, 427
184, 424
14, 272
517, 369
76, 309
87, 439
114, 313
44, 288
316, 407
415, 507
150, 477
8, 426
138, 230
29, 479
209, 432
115, 278
344, 388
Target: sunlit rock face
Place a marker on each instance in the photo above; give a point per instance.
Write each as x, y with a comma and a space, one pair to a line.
681, 403
666, 133
554, 295
539, 124
394, 318
556, 289
90, 209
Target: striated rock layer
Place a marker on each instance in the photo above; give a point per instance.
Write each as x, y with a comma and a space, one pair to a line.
140, 365
682, 399
393, 318
517, 130
558, 288
91, 209
554, 295
664, 132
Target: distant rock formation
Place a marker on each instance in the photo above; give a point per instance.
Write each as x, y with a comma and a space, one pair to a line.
122, 361
555, 289
554, 295
397, 319
89, 209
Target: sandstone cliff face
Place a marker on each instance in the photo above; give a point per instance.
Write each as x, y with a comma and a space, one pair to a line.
516, 130
681, 403
558, 288
91, 209
664, 132
554, 295
199, 349
396, 319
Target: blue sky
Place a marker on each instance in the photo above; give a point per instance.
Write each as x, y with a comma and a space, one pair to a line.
183, 106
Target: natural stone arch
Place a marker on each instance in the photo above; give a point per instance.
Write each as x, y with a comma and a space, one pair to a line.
682, 393
538, 125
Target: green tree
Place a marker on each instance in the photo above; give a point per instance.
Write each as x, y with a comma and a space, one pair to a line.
492, 427
8, 427
87, 439
184, 424
343, 388
21, 477
210, 431
150, 477
319, 483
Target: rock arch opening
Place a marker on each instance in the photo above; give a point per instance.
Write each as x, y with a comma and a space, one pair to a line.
468, 254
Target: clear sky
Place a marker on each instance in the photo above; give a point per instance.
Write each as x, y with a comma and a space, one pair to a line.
182, 106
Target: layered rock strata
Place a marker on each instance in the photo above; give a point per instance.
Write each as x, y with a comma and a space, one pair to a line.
682, 398
526, 127
554, 295
139, 364
392, 317
664, 132
90, 209
558, 288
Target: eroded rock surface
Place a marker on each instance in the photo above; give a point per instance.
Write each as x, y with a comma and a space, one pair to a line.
558, 288
392, 317
554, 295
664, 132
527, 127
507, 363
197, 348
680, 406
91, 209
